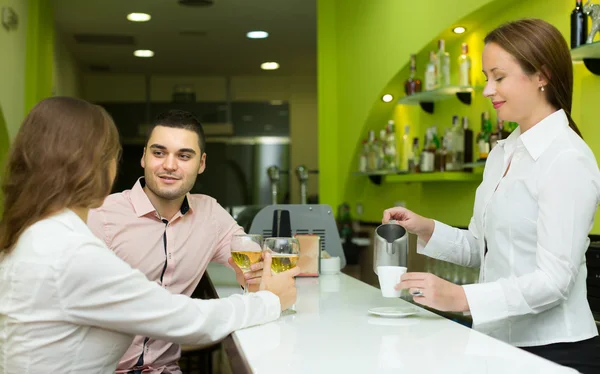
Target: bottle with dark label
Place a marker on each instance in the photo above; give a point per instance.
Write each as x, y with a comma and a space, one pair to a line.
412, 84
579, 25
468, 142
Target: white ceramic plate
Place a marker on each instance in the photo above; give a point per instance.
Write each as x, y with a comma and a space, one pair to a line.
394, 311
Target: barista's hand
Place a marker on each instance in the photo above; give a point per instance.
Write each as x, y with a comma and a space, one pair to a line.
412, 222
435, 292
253, 277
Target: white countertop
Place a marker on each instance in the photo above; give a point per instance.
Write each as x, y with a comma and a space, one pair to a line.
333, 333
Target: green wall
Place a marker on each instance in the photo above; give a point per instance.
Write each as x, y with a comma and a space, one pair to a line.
40, 53
26, 67
368, 64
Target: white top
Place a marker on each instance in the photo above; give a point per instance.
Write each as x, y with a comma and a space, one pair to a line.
333, 332
70, 305
532, 288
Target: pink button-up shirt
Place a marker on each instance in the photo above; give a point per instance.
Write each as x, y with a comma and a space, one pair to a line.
172, 253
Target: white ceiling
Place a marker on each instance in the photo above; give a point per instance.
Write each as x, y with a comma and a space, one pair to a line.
224, 50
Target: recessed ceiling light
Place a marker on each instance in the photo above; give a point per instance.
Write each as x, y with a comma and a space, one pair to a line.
269, 66
257, 34
138, 17
459, 30
143, 53
387, 98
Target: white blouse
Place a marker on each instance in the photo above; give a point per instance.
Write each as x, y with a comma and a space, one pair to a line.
70, 305
535, 221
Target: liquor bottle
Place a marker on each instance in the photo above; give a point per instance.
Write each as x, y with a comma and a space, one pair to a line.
437, 141
579, 25
382, 162
412, 84
431, 74
391, 149
499, 134
364, 155
464, 63
443, 64
468, 142
456, 146
372, 163
414, 165
406, 149
427, 159
483, 138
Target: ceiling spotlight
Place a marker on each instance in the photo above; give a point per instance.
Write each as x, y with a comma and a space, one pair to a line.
458, 30
257, 34
143, 53
138, 17
387, 98
269, 66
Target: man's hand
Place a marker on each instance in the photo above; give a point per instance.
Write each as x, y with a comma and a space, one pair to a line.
250, 279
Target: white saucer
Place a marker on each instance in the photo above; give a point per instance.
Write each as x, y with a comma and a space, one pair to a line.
394, 311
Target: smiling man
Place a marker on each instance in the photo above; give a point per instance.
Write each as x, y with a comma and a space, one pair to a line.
165, 232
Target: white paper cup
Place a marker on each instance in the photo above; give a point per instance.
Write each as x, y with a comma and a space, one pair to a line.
330, 265
389, 277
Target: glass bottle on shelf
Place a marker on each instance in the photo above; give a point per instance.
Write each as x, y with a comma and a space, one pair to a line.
456, 145
406, 149
443, 152
372, 163
362, 160
391, 151
499, 134
381, 159
414, 165
468, 142
579, 25
464, 64
483, 138
431, 74
412, 84
443, 64
428, 154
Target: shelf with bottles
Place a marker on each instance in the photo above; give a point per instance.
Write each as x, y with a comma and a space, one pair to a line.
390, 176
437, 85
590, 55
427, 98
439, 176
582, 46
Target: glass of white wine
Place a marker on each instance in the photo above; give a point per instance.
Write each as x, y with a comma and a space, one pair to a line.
284, 254
246, 250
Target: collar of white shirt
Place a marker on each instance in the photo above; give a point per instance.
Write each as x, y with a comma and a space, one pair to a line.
537, 139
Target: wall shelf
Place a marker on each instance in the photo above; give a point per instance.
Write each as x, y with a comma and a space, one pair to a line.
590, 55
446, 176
379, 177
426, 99
376, 176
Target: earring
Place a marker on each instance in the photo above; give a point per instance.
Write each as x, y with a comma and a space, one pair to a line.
542, 88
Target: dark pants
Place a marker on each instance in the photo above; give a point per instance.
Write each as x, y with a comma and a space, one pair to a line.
583, 356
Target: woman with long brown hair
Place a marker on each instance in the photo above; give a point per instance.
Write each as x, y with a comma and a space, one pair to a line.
69, 305
533, 211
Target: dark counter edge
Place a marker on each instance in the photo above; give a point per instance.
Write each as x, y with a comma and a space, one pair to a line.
237, 360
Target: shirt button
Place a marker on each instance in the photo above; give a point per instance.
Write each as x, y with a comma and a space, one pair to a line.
169, 256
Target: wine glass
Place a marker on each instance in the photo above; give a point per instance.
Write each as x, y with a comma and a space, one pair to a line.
284, 255
246, 250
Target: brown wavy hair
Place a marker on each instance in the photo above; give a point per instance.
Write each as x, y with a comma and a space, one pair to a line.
60, 158
540, 47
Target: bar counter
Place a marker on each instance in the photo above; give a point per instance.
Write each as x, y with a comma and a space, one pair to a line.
332, 332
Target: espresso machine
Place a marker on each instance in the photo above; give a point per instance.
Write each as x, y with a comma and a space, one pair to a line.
391, 246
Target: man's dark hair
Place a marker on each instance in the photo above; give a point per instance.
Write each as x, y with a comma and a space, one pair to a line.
179, 119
